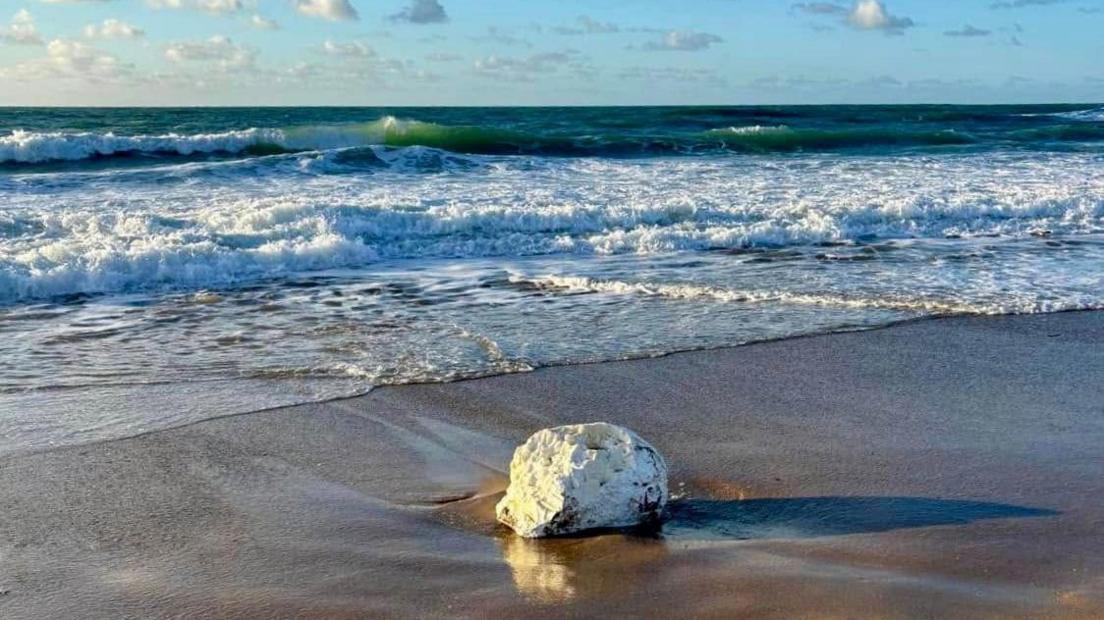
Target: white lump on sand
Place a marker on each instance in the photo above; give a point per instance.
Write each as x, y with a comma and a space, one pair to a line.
570, 479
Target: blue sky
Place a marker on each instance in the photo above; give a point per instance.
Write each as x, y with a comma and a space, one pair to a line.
528, 52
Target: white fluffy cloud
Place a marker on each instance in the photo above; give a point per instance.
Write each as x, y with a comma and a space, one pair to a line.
217, 50
333, 10
113, 29
862, 15
21, 31
220, 6
76, 58
67, 59
872, 15
683, 41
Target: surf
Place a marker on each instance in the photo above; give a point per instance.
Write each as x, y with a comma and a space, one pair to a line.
31, 147
562, 133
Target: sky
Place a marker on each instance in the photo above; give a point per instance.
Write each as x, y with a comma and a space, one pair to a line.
532, 52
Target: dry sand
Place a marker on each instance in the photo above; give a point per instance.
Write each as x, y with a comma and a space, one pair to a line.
946, 468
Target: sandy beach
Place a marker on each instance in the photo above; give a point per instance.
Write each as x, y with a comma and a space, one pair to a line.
940, 468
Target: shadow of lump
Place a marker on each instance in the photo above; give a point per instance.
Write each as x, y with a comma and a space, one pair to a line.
811, 517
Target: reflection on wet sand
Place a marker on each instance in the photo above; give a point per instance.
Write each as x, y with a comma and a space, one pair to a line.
538, 572
564, 569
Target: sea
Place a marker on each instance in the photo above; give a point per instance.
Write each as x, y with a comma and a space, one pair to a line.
160, 267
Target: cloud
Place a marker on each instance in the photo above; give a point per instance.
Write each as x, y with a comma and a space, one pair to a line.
671, 74
76, 58
1019, 4
821, 8
218, 50
220, 7
333, 10
872, 15
525, 68
113, 29
361, 65
683, 41
422, 12
259, 22
21, 31
69, 60
797, 82
862, 15
968, 31
443, 57
587, 25
69, 1
214, 7
497, 35
353, 49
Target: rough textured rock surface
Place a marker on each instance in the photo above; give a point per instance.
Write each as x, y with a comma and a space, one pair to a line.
570, 479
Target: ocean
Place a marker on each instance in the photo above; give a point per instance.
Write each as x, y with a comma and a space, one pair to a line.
164, 266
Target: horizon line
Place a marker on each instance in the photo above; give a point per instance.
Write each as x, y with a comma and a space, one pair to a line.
549, 106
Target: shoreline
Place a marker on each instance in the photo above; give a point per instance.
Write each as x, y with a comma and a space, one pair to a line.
934, 466
636, 357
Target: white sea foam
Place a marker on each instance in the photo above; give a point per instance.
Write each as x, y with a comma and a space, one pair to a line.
1093, 115
895, 301
756, 130
36, 147
115, 233
265, 281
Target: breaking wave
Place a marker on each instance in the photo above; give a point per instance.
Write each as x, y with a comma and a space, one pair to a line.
25, 147
1093, 115
47, 254
20, 147
38, 147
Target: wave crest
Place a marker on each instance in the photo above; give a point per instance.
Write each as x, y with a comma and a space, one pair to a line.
1092, 115
38, 147
28, 147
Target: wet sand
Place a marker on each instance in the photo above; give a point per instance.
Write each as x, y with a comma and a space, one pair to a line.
946, 468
